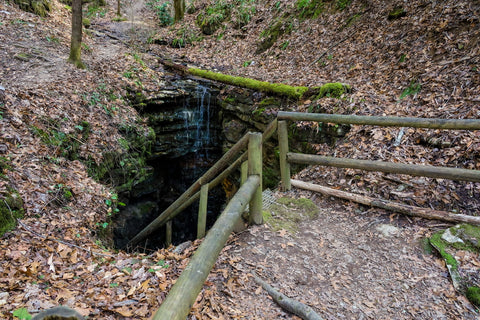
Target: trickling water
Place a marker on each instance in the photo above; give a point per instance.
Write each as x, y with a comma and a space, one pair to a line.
188, 143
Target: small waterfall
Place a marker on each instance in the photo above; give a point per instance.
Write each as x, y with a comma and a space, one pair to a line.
188, 142
198, 131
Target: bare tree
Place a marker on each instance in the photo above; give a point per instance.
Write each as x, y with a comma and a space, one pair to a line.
76, 41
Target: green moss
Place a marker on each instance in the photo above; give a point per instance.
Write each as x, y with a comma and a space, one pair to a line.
39, 7
342, 4
86, 22
289, 212
213, 16
426, 246
333, 90
469, 234
473, 295
4, 166
309, 208
268, 102
309, 8
11, 208
271, 35
276, 88
396, 13
438, 243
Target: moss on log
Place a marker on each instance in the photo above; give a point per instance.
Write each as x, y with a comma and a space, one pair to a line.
275, 88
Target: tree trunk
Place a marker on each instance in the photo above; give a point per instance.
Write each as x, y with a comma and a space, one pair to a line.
76, 40
179, 6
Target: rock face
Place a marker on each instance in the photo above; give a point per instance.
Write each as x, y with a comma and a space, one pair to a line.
187, 142
185, 119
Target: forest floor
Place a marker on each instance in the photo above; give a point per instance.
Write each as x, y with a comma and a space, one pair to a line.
347, 262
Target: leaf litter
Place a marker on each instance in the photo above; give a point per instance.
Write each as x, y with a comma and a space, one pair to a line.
339, 263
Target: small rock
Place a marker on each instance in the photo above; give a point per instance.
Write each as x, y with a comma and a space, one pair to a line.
4, 298
450, 238
388, 230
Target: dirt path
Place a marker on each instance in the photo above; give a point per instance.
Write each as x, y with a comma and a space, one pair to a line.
364, 265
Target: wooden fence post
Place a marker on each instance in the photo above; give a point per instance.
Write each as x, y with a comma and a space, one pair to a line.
168, 233
202, 212
255, 168
284, 164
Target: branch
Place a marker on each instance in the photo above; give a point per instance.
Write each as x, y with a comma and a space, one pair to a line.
293, 306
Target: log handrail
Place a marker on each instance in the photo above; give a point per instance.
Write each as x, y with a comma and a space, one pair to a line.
429, 123
390, 167
184, 292
212, 172
193, 193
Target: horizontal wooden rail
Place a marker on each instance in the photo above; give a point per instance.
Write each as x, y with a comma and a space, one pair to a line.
430, 123
411, 169
183, 294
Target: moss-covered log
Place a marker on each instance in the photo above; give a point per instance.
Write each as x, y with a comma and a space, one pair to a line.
274, 88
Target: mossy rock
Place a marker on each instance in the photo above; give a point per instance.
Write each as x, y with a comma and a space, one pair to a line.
473, 295
289, 212
333, 90
396, 13
270, 102
11, 208
39, 7
447, 242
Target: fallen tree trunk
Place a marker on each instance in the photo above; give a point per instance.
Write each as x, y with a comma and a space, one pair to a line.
389, 205
275, 88
293, 306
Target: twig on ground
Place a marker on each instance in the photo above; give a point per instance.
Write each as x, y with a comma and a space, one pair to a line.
293, 306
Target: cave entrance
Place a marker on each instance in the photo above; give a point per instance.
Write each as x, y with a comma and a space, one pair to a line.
188, 142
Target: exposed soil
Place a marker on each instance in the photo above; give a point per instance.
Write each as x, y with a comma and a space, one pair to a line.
340, 263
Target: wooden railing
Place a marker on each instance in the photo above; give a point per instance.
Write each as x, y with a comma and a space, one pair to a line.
287, 157
183, 294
